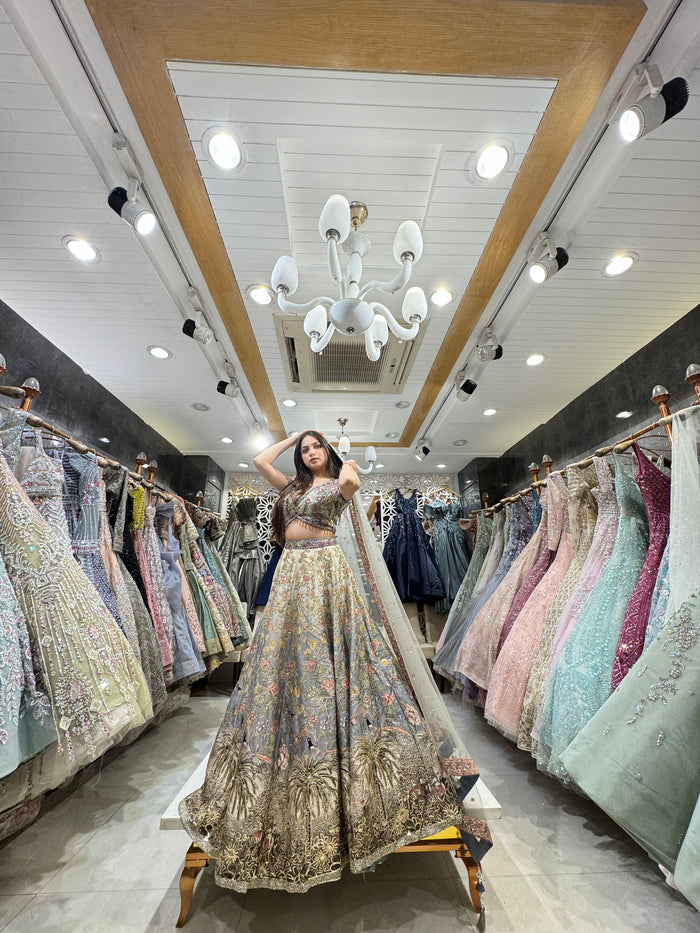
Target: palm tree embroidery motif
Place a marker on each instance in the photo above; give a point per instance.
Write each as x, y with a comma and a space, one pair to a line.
376, 762
312, 788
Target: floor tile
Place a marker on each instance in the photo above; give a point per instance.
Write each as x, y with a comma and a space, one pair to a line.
11, 905
95, 912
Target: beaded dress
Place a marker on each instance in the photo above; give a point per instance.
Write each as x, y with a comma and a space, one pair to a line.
582, 520
580, 682
409, 554
43, 483
513, 666
659, 599
240, 629
323, 757
450, 548
655, 488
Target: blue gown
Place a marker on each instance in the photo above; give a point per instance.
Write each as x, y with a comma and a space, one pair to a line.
409, 555
450, 548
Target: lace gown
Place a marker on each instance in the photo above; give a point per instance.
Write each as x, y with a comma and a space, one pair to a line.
409, 555
43, 483
580, 682
655, 488
323, 757
477, 653
450, 548
512, 669
582, 520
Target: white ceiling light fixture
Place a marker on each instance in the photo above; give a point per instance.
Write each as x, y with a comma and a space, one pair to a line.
137, 215
243, 465
535, 359
350, 314
441, 297
260, 294
260, 438
378, 466
659, 103
623, 414
460, 442
81, 249
490, 161
103, 440
619, 264
422, 448
226, 440
488, 348
403, 404
344, 448
441, 466
223, 149
200, 406
489, 412
392, 435
198, 329
546, 259
160, 353
289, 403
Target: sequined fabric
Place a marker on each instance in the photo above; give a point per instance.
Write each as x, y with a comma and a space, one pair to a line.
216, 648
43, 483
239, 628
513, 666
466, 590
659, 599
409, 555
323, 758
450, 548
583, 513
655, 488
581, 680
11, 429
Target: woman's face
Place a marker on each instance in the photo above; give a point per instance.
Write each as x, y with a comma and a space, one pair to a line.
313, 453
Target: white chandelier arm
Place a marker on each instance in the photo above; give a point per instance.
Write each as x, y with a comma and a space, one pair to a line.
322, 342
372, 351
334, 267
365, 470
292, 306
395, 285
403, 333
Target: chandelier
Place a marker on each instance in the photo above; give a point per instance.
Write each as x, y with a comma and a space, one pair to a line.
344, 448
351, 314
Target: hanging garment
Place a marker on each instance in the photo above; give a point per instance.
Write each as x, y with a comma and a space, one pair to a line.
187, 660
97, 689
150, 572
11, 429
477, 653
583, 512
450, 548
323, 757
513, 666
580, 682
239, 628
81, 503
466, 590
659, 599
43, 483
686, 874
240, 551
499, 536
655, 488
26, 723
409, 554
446, 659
638, 757
264, 589
536, 509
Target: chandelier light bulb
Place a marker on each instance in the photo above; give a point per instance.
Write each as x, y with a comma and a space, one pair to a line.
285, 275
380, 330
315, 322
335, 216
408, 239
415, 305
343, 445
491, 161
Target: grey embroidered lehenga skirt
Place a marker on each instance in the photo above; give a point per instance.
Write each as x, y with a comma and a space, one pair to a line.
323, 758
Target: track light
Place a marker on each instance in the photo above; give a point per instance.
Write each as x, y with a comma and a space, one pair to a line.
488, 348
229, 389
197, 329
659, 104
546, 259
133, 212
422, 449
465, 387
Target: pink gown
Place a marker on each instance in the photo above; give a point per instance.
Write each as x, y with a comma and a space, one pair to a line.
512, 668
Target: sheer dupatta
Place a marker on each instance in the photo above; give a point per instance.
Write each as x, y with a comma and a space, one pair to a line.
364, 555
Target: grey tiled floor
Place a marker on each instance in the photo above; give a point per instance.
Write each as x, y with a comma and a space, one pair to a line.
98, 861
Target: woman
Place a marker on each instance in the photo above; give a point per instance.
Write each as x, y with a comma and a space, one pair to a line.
323, 758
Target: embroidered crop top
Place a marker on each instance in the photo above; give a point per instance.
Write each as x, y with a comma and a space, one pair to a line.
318, 507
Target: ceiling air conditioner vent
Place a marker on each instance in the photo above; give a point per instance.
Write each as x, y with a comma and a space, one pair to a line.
343, 365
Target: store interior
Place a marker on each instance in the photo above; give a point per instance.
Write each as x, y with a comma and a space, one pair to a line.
224, 225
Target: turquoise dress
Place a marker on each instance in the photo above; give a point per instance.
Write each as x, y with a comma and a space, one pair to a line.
580, 682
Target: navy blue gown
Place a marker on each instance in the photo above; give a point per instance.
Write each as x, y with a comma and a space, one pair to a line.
409, 555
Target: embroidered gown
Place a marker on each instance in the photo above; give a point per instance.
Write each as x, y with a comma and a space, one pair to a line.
409, 555
322, 758
450, 548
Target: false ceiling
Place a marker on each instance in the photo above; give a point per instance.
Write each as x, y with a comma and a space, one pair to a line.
323, 105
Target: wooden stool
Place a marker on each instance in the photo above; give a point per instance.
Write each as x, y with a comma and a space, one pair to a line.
449, 840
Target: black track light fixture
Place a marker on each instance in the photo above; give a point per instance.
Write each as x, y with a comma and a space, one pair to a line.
546, 259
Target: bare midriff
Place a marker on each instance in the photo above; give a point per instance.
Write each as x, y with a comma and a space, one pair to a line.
298, 530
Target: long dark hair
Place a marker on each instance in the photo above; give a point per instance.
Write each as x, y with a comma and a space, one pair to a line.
302, 481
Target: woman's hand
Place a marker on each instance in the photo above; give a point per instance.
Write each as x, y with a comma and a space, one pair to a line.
349, 481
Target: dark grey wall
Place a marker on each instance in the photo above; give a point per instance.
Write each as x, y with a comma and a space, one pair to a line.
589, 421
78, 404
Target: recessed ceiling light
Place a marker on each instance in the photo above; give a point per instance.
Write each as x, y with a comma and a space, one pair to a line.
243, 465
460, 442
491, 160
489, 411
103, 440
535, 359
441, 297
160, 353
81, 249
200, 406
441, 466
260, 294
223, 148
378, 466
226, 440
289, 402
392, 435
624, 414
619, 264
401, 404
